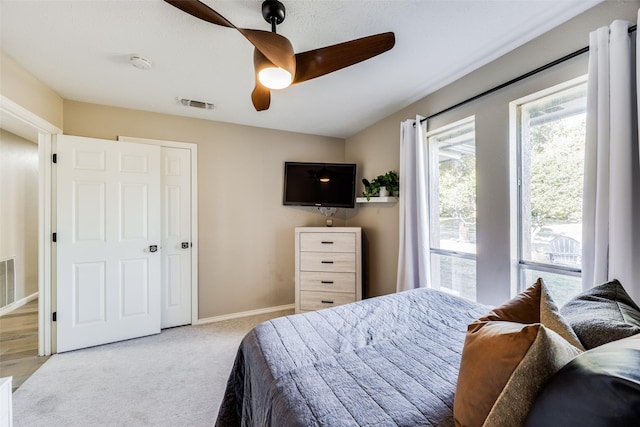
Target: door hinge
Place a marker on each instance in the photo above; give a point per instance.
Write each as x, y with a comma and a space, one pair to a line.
54, 158
54, 316
54, 237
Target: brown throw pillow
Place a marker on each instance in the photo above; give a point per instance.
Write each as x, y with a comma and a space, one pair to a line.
508, 355
535, 305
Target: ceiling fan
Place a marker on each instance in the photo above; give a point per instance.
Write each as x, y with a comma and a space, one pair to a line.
276, 65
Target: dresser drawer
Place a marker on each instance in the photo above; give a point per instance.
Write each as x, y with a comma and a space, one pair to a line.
328, 261
310, 300
330, 282
327, 242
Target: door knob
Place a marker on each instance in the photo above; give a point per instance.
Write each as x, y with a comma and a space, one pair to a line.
152, 248
185, 245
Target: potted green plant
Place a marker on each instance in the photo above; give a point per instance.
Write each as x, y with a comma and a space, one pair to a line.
391, 182
371, 189
382, 185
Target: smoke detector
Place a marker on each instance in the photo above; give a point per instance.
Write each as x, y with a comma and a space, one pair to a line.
140, 62
197, 104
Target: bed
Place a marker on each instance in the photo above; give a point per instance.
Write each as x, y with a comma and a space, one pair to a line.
402, 360
391, 360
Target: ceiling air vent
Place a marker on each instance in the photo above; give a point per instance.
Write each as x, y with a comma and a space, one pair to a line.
196, 104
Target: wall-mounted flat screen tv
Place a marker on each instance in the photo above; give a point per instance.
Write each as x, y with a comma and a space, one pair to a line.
320, 184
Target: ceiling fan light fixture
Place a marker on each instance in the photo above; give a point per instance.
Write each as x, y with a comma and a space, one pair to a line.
275, 77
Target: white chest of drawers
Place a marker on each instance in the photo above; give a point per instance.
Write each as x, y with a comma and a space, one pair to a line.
328, 267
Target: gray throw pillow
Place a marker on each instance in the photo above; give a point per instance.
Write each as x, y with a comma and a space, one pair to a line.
602, 314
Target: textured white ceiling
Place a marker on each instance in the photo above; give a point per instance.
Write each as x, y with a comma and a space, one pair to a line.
80, 48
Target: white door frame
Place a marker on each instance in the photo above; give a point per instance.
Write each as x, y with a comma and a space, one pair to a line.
194, 209
45, 130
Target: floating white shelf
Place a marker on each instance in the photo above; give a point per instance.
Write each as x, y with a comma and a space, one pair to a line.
377, 200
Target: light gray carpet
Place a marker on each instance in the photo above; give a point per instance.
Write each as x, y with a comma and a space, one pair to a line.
176, 378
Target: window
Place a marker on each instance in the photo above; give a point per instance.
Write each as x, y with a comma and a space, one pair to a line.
551, 142
452, 208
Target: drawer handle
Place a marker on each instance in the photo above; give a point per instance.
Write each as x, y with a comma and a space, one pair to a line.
325, 301
327, 282
327, 262
327, 243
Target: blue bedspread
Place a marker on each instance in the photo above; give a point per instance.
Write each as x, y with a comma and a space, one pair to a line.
391, 360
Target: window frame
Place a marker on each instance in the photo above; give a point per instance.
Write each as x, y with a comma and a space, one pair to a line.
433, 185
521, 265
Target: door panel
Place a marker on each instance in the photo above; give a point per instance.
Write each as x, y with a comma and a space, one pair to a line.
108, 215
173, 270
88, 211
89, 287
134, 287
134, 199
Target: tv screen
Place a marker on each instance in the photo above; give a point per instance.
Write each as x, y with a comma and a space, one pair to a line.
320, 184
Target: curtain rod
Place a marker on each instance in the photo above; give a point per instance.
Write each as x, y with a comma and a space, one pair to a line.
517, 79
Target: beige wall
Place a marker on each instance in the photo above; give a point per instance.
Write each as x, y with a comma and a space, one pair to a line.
19, 210
21, 87
376, 148
246, 236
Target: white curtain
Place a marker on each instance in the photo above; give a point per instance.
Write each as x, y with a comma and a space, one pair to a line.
611, 211
413, 255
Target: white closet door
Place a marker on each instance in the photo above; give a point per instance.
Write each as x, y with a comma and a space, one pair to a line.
108, 237
176, 236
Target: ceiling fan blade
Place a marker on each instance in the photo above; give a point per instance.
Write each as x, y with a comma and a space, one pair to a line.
261, 97
202, 11
318, 62
276, 48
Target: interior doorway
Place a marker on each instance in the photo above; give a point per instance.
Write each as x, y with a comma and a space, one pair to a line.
18, 221
19, 166
22, 122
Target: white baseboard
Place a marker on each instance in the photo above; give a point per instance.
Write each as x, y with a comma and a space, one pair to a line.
244, 314
18, 304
